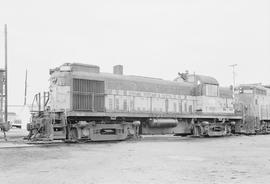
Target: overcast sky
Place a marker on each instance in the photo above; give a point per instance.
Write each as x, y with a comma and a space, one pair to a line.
155, 38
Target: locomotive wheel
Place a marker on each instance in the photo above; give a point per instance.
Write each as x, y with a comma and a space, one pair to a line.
197, 131
74, 135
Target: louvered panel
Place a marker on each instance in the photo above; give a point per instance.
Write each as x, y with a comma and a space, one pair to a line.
88, 95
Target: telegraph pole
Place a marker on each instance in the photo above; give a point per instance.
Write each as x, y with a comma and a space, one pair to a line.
4, 125
6, 77
25, 88
233, 67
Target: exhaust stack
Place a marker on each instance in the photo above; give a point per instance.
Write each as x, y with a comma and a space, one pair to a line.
118, 69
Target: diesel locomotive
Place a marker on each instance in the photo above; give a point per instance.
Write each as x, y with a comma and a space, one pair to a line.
85, 104
255, 102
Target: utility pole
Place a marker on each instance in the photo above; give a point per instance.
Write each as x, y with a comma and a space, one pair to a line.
6, 78
2, 80
5, 125
25, 89
233, 67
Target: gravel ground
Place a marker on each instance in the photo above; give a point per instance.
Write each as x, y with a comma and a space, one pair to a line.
162, 159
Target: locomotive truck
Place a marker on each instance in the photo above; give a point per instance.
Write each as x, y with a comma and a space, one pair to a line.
85, 104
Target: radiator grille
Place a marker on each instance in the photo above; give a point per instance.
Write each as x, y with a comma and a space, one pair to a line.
88, 95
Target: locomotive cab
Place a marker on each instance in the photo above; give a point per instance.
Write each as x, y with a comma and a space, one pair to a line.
214, 108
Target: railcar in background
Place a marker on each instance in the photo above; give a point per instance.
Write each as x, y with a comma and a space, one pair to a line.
86, 104
255, 102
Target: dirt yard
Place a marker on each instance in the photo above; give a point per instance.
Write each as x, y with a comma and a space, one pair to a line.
163, 159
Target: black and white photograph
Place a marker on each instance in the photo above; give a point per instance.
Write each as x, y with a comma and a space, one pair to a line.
134, 92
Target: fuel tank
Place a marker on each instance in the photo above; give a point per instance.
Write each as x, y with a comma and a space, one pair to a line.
163, 123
